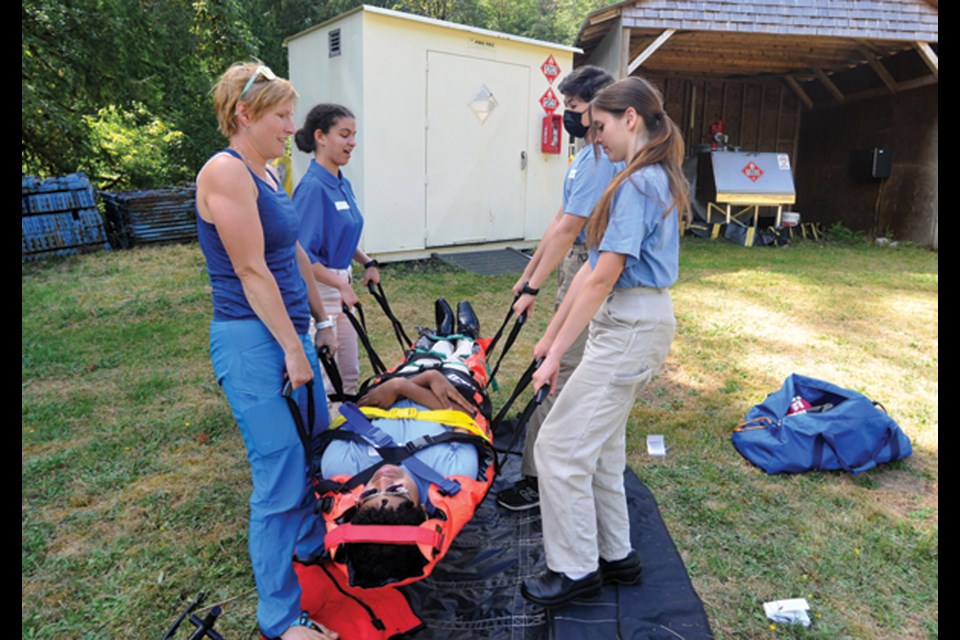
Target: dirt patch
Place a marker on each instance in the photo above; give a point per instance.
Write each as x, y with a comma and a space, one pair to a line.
903, 495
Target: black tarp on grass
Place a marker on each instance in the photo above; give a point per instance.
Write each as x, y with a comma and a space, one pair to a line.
474, 593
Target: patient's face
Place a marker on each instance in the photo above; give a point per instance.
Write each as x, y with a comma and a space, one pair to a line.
390, 486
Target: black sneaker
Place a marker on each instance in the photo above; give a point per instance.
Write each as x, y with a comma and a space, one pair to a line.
521, 496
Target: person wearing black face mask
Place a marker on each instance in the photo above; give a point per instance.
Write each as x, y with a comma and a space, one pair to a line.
573, 123
563, 244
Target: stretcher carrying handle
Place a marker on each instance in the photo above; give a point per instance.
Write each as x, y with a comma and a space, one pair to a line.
305, 433
376, 290
361, 328
538, 397
183, 616
511, 337
333, 374
531, 406
503, 325
204, 626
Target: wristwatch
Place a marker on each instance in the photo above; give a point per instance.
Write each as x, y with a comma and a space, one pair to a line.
526, 288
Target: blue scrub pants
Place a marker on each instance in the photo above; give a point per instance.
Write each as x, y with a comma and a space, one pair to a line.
249, 365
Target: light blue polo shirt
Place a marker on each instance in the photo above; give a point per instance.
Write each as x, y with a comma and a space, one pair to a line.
447, 459
638, 229
330, 220
587, 176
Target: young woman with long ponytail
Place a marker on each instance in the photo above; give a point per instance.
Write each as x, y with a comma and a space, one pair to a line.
622, 293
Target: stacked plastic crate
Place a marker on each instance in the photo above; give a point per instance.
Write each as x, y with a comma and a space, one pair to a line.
152, 216
59, 217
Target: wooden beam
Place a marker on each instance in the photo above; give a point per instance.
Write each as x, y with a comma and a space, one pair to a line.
878, 68
624, 53
916, 83
929, 56
742, 125
871, 46
603, 15
703, 111
906, 85
723, 100
650, 50
692, 110
799, 92
828, 83
796, 139
760, 107
776, 145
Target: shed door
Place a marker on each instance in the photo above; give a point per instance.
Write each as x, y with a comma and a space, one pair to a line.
477, 112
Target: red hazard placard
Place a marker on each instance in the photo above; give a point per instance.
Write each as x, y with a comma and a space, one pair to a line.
752, 171
549, 101
550, 68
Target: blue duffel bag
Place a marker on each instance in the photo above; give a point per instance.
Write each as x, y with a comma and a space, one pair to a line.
811, 424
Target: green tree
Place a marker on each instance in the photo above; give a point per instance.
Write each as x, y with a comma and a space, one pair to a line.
142, 70
156, 57
132, 148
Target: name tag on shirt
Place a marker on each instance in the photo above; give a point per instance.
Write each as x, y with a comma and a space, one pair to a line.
571, 174
342, 205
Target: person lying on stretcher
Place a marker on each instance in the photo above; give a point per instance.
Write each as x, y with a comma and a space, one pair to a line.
402, 472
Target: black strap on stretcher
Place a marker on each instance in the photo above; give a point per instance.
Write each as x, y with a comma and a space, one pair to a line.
367, 432
360, 326
364, 431
333, 375
528, 410
204, 626
376, 290
511, 337
303, 430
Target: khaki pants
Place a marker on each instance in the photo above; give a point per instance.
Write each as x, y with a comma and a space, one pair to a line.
568, 270
348, 354
581, 449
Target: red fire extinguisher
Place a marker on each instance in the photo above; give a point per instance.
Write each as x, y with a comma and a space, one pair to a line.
552, 133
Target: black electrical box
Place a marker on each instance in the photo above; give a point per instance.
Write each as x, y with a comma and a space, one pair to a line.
871, 164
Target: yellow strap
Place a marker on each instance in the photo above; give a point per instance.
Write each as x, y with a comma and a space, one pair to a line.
448, 417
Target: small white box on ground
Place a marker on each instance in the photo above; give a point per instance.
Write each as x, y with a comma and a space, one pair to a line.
656, 446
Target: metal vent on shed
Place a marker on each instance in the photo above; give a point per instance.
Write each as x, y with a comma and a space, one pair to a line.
333, 40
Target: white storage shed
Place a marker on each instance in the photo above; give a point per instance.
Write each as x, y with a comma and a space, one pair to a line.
450, 124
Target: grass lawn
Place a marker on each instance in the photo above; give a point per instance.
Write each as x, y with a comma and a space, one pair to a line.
134, 478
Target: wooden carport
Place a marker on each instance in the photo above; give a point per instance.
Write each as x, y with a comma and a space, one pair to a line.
764, 67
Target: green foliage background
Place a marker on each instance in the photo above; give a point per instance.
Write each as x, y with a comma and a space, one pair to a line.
119, 88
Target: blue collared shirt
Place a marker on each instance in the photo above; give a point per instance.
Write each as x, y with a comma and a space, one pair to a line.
330, 220
638, 229
587, 177
448, 459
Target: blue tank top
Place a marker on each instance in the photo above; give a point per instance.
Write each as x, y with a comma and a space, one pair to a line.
281, 225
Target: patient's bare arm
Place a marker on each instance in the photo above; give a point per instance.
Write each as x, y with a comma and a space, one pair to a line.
444, 391
430, 388
387, 394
